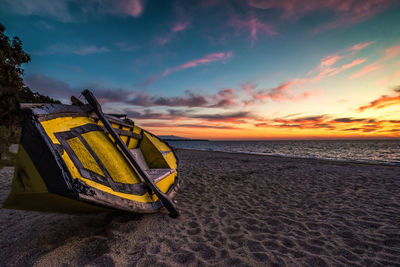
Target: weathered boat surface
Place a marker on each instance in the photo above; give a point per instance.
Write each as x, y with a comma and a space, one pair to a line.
68, 162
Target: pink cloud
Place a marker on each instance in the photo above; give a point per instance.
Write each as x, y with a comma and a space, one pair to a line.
330, 60
360, 46
191, 64
355, 62
329, 66
180, 26
62, 11
133, 8
346, 12
279, 94
166, 38
367, 69
389, 53
255, 27
325, 68
392, 52
162, 40
248, 88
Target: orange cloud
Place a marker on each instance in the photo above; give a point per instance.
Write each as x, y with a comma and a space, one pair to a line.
384, 101
323, 124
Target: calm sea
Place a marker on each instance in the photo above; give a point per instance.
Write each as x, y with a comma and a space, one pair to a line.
373, 151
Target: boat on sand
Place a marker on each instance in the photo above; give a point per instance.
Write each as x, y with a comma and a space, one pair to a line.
74, 158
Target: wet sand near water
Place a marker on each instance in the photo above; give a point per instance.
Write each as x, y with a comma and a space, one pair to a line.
236, 209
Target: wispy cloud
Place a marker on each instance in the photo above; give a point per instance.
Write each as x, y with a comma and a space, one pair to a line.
190, 100
92, 49
205, 126
367, 69
223, 98
202, 119
230, 117
346, 12
191, 64
62, 90
162, 40
180, 26
384, 101
329, 65
280, 93
254, 26
127, 47
74, 10
388, 54
70, 49
49, 86
360, 46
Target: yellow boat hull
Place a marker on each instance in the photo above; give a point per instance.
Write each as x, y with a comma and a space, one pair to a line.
67, 162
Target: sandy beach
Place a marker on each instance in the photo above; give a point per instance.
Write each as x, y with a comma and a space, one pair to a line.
236, 209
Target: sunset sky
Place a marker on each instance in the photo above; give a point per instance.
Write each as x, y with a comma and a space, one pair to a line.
221, 69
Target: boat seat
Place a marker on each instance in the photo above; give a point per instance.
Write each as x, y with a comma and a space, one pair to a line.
159, 174
155, 174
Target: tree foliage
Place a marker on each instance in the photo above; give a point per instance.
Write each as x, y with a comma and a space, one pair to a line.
12, 88
12, 56
13, 91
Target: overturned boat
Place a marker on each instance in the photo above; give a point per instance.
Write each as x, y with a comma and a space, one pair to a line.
74, 158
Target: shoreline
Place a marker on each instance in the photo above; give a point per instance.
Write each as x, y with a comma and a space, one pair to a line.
292, 157
236, 209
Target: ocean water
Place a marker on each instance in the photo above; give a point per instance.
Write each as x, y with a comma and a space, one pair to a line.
372, 151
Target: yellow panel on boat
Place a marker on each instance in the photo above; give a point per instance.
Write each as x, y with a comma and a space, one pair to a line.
84, 156
63, 124
153, 156
111, 157
133, 143
75, 174
103, 148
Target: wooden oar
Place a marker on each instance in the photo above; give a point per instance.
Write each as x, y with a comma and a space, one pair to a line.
168, 204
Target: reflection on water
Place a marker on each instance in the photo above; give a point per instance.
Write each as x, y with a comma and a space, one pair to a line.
374, 151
